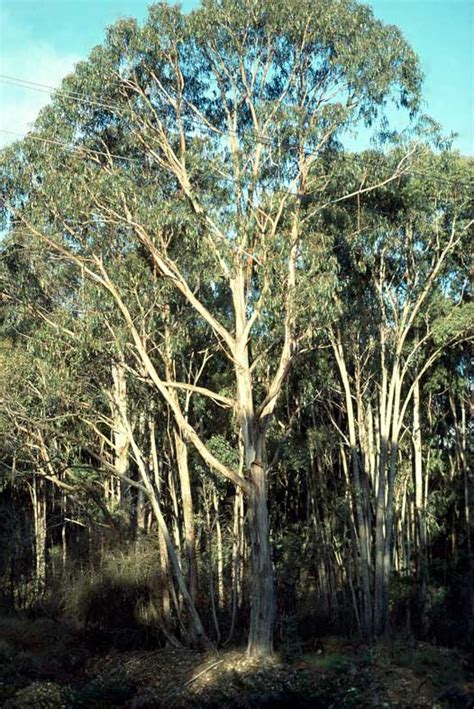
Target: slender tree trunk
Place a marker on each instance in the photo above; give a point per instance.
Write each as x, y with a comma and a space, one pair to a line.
380, 531
220, 552
180, 450
195, 621
360, 498
164, 558
262, 613
38, 500
212, 589
120, 437
181, 453
420, 512
237, 562
175, 516
196, 626
252, 435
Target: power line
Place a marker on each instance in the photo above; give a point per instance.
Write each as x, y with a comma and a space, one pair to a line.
259, 138
78, 148
82, 149
46, 88
92, 151
81, 98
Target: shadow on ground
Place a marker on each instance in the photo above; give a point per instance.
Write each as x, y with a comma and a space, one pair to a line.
47, 664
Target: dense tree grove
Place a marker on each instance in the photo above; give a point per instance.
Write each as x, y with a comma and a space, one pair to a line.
235, 356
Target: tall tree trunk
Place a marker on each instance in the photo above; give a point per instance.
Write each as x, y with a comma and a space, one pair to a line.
361, 503
252, 436
380, 590
38, 500
260, 642
175, 523
196, 627
164, 557
181, 453
220, 552
237, 561
120, 438
420, 512
180, 450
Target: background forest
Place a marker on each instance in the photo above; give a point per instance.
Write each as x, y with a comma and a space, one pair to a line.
234, 385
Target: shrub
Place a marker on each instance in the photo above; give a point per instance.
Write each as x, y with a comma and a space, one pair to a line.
37, 649
39, 695
120, 602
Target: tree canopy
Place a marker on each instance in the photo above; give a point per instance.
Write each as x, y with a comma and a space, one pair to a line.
220, 326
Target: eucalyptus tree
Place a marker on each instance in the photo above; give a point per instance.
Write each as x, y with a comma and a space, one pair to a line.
80, 369
37, 461
198, 138
404, 266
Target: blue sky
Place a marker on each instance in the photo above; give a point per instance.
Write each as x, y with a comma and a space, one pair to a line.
41, 40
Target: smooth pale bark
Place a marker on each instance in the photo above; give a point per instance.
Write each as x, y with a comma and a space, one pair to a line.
237, 560
164, 557
181, 454
210, 554
252, 433
419, 498
359, 494
252, 423
118, 399
260, 641
175, 522
220, 552
389, 429
142, 515
38, 501
195, 623
180, 450
195, 620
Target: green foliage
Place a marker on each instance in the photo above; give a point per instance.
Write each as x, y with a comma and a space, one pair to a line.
204, 142
39, 695
442, 667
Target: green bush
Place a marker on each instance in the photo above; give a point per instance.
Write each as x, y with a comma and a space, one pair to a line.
442, 666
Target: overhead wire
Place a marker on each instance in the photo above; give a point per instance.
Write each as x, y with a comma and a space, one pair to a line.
48, 89
226, 178
262, 139
349, 205
70, 146
83, 149
79, 98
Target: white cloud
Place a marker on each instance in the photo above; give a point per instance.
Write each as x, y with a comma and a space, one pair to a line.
24, 57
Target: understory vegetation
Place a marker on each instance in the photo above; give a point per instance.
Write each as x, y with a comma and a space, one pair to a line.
235, 373
49, 664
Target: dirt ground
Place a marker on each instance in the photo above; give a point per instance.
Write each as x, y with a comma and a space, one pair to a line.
45, 666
